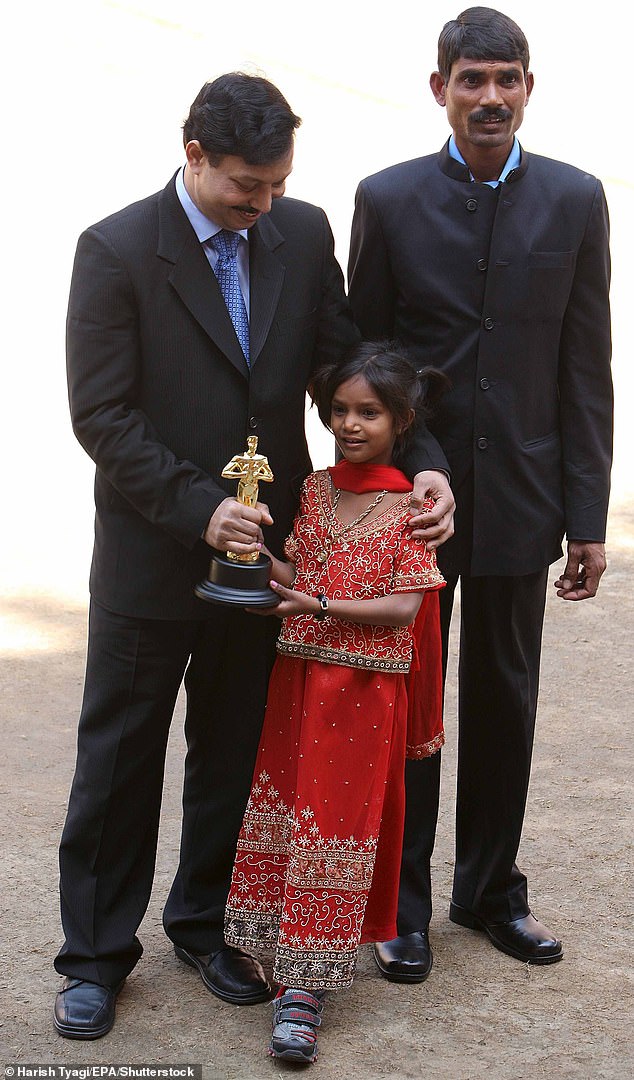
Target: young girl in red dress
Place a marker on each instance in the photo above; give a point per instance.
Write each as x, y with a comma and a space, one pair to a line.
356, 686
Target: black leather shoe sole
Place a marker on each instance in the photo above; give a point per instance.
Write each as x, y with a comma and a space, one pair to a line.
254, 997
70, 1032
462, 917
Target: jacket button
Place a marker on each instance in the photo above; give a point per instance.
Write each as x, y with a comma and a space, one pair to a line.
471, 205
482, 264
253, 422
488, 324
484, 384
483, 443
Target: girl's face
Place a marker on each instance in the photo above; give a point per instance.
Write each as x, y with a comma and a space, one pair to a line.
364, 429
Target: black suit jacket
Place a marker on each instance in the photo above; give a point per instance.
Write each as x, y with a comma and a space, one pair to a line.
506, 290
161, 397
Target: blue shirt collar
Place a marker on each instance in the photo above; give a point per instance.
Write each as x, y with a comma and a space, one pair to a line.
512, 161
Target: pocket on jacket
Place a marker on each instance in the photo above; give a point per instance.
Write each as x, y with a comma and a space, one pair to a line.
549, 279
541, 440
551, 260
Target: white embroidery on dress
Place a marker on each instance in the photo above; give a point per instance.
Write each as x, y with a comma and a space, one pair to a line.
284, 865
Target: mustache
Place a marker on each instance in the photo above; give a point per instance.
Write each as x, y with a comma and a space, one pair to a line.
491, 114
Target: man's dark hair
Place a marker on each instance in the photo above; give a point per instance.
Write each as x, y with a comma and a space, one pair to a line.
242, 115
481, 33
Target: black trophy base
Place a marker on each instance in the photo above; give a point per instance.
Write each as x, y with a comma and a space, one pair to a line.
238, 583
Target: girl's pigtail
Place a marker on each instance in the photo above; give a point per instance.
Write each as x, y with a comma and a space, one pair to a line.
433, 384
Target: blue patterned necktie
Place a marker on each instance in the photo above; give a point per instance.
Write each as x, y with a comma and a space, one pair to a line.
225, 244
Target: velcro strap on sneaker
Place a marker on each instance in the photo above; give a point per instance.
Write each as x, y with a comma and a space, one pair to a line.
289, 1015
301, 997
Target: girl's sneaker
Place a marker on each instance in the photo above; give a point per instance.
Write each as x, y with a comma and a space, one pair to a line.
296, 1017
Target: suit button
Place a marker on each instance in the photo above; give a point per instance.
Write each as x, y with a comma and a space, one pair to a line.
471, 205
488, 324
253, 422
483, 443
484, 384
482, 264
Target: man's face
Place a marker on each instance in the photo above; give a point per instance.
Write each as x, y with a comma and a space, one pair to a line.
485, 101
232, 193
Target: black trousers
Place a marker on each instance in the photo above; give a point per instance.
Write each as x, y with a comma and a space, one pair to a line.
501, 624
108, 849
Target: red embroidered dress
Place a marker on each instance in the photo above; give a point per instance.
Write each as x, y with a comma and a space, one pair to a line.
318, 858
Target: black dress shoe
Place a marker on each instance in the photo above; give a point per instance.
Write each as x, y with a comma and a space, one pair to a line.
405, 959
526, 939
84, 1010
231, 974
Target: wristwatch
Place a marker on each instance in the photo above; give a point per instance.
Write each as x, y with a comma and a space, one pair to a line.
323, 606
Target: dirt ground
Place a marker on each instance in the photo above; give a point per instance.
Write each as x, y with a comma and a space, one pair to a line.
480, 1013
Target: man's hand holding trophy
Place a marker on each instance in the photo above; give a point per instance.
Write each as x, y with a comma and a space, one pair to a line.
242, 579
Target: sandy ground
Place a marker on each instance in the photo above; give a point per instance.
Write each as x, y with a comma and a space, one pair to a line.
480, 1013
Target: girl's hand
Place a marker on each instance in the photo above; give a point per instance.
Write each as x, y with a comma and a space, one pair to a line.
291, 603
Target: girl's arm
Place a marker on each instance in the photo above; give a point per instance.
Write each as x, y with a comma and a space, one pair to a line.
282, 571
397, 609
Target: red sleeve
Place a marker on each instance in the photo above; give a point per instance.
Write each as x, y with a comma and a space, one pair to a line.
415, 568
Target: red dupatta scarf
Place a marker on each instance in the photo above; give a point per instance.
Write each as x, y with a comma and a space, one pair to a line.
425, 733
361, 478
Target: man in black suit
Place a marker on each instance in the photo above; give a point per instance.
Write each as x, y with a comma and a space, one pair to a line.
493, 265
195, 319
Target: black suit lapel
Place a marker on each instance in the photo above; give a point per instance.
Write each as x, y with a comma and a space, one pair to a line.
193, 279
266, 273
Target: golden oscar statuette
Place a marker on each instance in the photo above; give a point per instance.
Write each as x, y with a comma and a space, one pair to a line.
242, 579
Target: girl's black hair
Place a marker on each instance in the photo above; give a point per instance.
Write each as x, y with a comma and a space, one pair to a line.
394, 379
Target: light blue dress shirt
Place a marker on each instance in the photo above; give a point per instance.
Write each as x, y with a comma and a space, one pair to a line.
512, 161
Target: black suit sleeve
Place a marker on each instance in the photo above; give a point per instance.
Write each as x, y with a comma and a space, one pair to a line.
104, 367
371, 287
336, 331
372, 295
585, 384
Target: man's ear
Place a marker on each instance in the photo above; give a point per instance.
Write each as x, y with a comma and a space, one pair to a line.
530, 82
195, 154
437, 84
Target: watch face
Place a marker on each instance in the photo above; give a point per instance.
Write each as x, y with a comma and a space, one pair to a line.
323, 606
